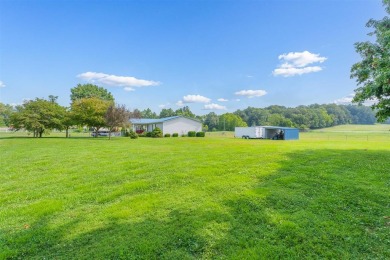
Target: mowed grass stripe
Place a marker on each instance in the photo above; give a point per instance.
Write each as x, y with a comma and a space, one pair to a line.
193, 198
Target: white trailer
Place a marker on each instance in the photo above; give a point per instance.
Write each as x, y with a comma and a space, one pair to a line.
249, 132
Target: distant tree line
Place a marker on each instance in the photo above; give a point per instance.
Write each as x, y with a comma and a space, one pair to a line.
95, 107
303, 117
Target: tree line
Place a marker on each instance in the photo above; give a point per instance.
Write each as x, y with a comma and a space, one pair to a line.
91, 106
303, 117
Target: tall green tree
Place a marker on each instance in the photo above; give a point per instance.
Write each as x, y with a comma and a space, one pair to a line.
91, 112
372, 74
38, 116
88, 91
279, 120
185, 111
167, 112
211, 120
228, 121
148, 113
68, 120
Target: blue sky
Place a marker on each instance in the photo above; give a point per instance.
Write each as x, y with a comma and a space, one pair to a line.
215, 56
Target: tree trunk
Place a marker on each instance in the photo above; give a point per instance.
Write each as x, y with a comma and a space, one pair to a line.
67, 132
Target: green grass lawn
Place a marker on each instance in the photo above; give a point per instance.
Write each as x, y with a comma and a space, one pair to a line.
185, 198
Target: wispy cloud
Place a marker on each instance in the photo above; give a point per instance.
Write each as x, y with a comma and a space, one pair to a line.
113, 80
180, 103
214, 107
344, 100
2, 85
164, 105
296, 63
348, 100
128, 89
222, 100
196, 99
251, 93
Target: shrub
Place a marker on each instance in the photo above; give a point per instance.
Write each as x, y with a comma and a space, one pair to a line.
157, 133
175, 135
200, 134
191, 133
133, 135
125, 133
167, 135
183, 135
148, 134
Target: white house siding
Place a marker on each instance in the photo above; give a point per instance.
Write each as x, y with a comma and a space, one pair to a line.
181, 126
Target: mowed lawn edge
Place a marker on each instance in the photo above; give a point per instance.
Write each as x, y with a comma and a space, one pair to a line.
193, 198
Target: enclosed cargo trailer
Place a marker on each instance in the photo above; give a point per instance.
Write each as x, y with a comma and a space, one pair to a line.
250, 132
267, 132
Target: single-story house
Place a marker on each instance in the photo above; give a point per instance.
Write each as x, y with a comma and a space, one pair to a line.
168, 125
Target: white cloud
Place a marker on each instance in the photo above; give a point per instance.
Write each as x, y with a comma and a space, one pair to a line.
2, 85
295, 63
128, 89
112, 80
288, 72
195, 99
301, 59
251, 93
348, 100
345, 100
238, 100
222, 100
180, 103
164, 105
214, 107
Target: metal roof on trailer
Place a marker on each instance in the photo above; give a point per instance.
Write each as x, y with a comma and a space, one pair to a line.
279, 127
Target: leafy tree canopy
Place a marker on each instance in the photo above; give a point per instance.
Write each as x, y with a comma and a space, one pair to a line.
90, 112
373, 72
148, 113
88, 91
5, 113
38, 116
229, 121
167, 112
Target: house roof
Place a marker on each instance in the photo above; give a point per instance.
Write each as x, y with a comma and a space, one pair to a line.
146, 121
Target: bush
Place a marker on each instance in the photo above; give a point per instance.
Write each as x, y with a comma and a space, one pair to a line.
167, 135
157, 133
200, 134
125, 133
148, 134
191, 133
133, 135
175, 135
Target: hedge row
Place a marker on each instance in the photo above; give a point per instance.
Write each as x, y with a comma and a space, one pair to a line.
157, 133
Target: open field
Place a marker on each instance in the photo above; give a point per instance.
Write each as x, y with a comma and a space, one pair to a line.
185, 198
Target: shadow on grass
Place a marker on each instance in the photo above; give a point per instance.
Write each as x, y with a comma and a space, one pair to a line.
319, 204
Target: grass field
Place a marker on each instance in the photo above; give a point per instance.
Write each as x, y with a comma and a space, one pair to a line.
183, 198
